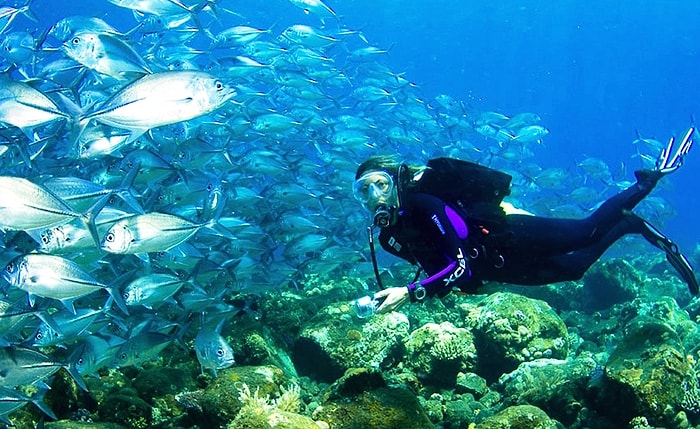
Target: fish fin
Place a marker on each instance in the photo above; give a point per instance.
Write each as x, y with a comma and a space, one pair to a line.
32, 300
135, 134
126, 190
218, 230
74, 110
68, 303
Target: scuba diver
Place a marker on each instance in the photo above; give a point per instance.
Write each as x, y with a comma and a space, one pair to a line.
447, 217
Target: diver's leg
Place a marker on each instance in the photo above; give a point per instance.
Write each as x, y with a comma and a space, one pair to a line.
575, 264
534, 262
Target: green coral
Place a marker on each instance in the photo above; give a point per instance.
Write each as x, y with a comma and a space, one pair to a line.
438, 352
382, 408
649, 373
511, 329
519, 417
126, 408
335, 340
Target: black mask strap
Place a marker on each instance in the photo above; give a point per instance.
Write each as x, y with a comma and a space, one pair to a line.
370, 236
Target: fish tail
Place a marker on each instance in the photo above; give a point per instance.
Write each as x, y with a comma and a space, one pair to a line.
114, 295
88, 218
38, 401
76, 377
125, 191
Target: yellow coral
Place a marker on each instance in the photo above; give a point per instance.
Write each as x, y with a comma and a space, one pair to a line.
253, 400
290, 400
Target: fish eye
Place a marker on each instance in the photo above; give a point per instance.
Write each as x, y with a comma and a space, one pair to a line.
220, 352
38, 336
80, 361
45, 238
10, 267
218, 85
109, 237
75, 40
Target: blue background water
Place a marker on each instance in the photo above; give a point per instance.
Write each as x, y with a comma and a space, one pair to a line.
595, 71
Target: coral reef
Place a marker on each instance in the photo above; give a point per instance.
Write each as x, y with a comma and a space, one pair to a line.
520, 417
608, 283
559, 386
385, 407
335, 340
650, 375
510, 329
437, 353
502, 360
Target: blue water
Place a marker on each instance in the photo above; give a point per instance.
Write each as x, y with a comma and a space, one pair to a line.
596, 71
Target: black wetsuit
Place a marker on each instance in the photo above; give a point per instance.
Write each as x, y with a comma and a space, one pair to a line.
456, 251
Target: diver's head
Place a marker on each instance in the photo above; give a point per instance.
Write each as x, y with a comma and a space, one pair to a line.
376, 188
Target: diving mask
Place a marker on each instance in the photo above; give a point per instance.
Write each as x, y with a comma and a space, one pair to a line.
373, 186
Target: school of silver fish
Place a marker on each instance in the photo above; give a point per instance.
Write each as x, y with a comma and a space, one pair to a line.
189, 156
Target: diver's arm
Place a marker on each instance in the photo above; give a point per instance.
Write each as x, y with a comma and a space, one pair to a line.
432, 216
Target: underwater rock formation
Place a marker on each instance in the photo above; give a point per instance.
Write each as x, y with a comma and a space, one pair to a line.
559, 386
649, 374
221, 401
385, 407
608, 283
520, 417
510, 329
334, 341
437, 353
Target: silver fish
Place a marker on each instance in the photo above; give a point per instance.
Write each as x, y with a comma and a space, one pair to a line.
25, 107
72, 25
150, 232
213, 352
51, 276
105, 54
141, 348
317, 7
152, 289
160, 99
64, 327
236, 36
21, 365
25, 206
531, 134
93, 352
18, 47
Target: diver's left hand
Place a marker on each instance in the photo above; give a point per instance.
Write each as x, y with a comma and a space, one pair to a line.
393, 297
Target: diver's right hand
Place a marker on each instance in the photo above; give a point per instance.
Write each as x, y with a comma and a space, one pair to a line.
393, 297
